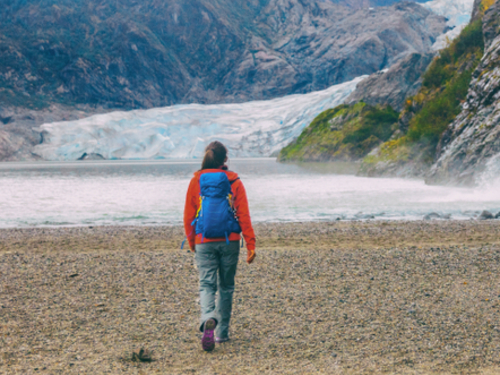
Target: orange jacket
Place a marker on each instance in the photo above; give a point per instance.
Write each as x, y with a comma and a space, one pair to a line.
240, 204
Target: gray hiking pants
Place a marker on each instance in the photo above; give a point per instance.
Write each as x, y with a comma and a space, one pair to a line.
217, 262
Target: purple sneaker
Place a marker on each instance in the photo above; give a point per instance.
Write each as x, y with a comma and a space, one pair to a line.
208, 340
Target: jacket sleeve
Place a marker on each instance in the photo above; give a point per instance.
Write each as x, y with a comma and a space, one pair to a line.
190, 209
241, 205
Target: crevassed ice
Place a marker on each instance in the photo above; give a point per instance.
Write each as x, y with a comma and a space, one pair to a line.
252, 129
458, 13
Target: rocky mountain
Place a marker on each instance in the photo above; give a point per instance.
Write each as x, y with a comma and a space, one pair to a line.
471, 144
141, 54
448, 127
393, 86
426, 116
321, 49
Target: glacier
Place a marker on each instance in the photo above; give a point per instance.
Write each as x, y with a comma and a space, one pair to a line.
251, 129
458, 13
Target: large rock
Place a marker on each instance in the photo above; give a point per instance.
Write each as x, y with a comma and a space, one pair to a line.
486, 215
131, 54
393, 86
471, 145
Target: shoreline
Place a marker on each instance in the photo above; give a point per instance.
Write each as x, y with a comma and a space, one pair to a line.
320, 298
431, 217
296, 235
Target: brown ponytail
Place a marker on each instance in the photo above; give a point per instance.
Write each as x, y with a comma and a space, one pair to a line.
215, 156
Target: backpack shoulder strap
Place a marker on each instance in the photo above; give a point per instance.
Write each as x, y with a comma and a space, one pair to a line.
232, 182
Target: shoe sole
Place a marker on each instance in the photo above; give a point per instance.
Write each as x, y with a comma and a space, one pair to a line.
208, 340
218, 340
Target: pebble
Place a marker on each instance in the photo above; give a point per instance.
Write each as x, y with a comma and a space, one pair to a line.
392, 297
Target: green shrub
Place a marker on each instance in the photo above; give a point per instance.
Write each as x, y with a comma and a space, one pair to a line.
436, 114
444, 68
377, 122
445, 86
343, 133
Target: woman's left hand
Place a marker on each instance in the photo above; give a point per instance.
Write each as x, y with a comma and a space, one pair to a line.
250, 256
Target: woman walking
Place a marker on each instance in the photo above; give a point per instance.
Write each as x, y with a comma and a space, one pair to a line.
215, 214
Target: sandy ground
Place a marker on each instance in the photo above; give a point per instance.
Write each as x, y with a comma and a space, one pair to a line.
321, 298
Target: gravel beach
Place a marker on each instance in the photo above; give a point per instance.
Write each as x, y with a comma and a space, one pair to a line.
321, 298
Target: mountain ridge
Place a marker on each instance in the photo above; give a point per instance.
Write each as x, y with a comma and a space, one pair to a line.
130, 54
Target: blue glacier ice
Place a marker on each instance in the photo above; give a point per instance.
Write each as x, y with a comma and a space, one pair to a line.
252, 129
458, 13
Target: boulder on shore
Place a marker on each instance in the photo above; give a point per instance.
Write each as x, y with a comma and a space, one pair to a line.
486, 215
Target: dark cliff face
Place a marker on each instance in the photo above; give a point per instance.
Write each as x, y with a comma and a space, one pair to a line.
142, 54
469, 150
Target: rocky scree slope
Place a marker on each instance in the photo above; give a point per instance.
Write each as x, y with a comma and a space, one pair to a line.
471, 144
141, 54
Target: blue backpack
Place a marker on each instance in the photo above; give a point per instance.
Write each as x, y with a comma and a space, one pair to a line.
216, 217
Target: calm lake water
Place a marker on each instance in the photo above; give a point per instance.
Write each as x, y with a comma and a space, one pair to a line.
153, 193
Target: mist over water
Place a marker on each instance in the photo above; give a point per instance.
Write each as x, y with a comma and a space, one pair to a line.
153, 193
